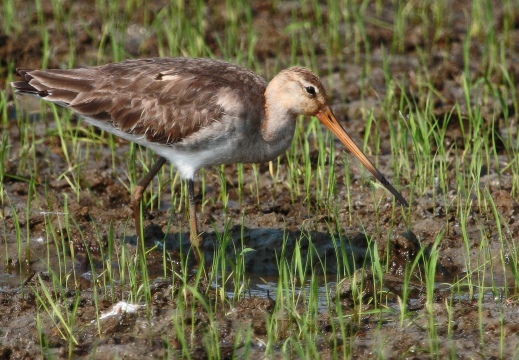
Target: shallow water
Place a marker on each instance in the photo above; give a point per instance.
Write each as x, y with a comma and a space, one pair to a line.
468, 322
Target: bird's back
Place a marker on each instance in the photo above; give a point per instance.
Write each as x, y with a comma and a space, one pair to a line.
166, 100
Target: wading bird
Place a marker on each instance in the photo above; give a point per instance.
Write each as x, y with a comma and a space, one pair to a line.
193, 113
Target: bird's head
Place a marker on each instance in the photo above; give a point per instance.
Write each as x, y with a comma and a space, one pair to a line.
299, 91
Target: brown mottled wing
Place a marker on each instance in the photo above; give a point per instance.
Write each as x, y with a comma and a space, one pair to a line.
164, 99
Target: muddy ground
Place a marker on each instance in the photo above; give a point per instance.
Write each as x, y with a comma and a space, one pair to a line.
105, 200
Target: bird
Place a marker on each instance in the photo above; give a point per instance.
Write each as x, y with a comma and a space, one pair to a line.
192, 112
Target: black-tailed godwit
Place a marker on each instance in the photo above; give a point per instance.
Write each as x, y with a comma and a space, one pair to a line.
193, 113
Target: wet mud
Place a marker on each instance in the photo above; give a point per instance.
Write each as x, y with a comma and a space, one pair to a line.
271, 222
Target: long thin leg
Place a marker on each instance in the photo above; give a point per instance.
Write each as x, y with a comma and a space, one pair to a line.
137, 197
196, 241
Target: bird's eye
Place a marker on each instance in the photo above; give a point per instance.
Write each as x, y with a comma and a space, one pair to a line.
310, 90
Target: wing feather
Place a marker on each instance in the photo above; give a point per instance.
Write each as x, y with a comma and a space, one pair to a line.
164, 99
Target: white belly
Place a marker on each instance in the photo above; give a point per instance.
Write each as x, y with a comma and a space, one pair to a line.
209, 146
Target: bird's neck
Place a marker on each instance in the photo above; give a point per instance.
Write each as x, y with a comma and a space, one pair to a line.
279, 123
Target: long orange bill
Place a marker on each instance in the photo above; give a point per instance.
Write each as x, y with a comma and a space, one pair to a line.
328, 118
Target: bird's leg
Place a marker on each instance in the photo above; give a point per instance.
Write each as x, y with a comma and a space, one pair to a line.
196, 241
137, 197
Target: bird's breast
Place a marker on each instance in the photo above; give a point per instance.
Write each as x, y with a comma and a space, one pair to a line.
233, 139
